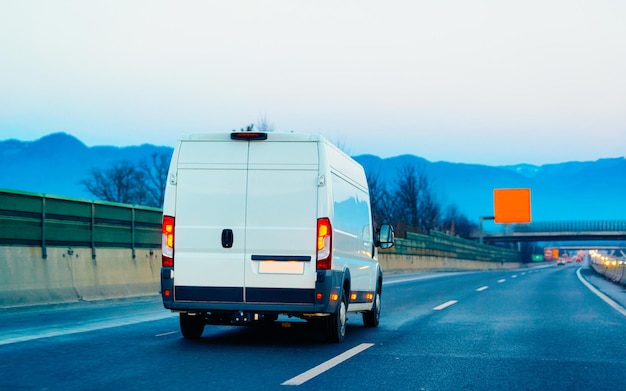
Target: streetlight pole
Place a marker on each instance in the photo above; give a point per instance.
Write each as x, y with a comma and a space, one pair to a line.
481, 233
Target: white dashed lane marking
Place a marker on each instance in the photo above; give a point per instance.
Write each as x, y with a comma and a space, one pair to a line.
325, 366
445, 305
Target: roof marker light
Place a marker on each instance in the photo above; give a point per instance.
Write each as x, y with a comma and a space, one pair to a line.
248, 136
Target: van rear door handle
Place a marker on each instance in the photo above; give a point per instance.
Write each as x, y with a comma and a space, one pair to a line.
227, 238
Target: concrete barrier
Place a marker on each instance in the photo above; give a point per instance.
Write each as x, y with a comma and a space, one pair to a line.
392, 263
615, 273
70, 274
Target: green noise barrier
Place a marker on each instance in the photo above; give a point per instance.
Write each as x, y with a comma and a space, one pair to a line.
34, 219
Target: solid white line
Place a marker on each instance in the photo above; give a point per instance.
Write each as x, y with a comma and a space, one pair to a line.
387, 282
99, 325
164, 334
482, 288
601, 295
323, 367
501, 281
445, 305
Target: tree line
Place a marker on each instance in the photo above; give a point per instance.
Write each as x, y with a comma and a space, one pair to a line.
409, 203
129, 183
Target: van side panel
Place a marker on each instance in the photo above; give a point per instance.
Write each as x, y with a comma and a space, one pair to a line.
352, 226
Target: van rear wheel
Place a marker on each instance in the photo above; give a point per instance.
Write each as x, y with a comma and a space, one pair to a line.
191, 326
371, 318
336, 322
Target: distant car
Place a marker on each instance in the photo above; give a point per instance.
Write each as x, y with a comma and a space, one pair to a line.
560, 262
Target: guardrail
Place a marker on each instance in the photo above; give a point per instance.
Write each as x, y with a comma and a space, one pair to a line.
571, 226
33, 219
439, 244
127, 239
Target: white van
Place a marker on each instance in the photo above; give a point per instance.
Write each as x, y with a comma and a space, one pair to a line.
258, 224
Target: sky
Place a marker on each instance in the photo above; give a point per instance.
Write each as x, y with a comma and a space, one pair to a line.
485, 81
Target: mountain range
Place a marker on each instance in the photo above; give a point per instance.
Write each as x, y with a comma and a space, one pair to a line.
569, 191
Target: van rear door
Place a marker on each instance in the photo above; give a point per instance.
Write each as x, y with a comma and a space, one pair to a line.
246, 220
281, 222
210, 199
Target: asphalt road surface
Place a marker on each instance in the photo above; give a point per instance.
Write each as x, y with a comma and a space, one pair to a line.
536, 329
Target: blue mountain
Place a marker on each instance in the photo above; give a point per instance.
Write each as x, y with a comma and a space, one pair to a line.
55, 164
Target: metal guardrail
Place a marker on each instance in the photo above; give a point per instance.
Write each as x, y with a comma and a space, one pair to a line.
571, 226
33, 219
439, 244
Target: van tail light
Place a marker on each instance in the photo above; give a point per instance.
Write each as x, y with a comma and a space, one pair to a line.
248, 136
167, 246
324, 244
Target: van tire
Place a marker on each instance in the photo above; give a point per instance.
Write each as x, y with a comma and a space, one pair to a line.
336, 322
371, 318
191, 326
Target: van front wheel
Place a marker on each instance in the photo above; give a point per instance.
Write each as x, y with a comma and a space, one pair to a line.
191, 326
336, 322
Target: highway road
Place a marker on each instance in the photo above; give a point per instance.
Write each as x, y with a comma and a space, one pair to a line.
535, 329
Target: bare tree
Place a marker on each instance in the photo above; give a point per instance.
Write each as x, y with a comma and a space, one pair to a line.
406, 198
456, 223
429, 208
263, 124
450, 219
129, 184
155, 173
379, 199
416, 206
342, 145
120, 183
248, 128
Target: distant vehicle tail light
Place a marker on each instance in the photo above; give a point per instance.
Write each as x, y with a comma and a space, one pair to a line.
167, 246
324, 244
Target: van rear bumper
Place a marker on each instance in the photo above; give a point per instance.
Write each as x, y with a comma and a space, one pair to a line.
248, 307
268, 300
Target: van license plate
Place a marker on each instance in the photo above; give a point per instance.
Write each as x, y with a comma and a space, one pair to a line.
274, 267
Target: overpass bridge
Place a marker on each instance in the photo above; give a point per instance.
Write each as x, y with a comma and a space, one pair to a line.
557, 231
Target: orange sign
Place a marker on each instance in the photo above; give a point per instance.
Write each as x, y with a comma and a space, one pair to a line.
511, 205
548, 254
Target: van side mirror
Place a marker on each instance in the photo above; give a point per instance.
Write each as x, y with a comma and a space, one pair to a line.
384, 236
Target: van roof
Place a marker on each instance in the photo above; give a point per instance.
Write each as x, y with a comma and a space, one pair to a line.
272, 136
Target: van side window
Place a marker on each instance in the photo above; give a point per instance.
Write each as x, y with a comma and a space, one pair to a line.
352, 214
